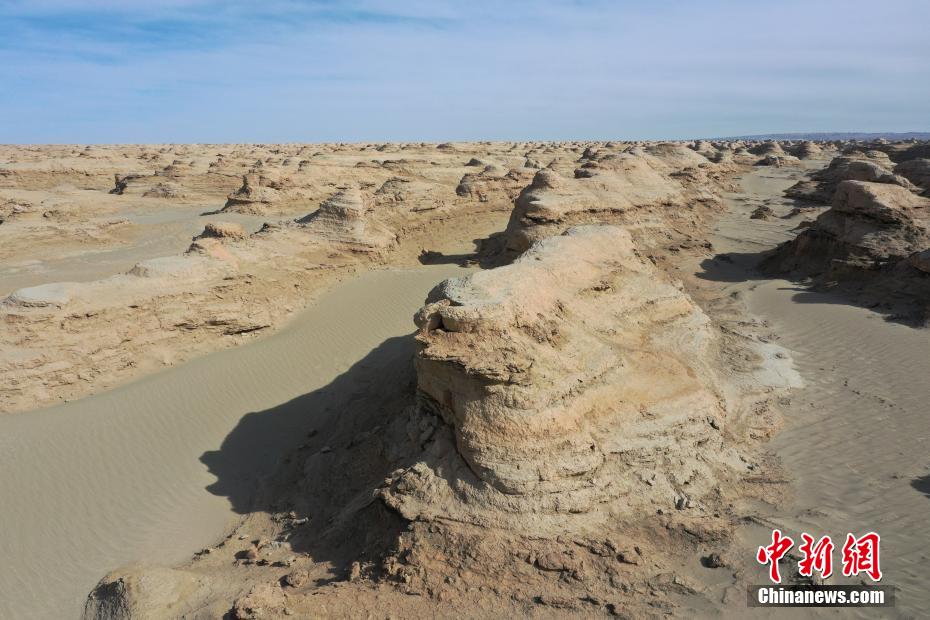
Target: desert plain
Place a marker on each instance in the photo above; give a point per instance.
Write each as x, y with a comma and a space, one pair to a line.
522, 379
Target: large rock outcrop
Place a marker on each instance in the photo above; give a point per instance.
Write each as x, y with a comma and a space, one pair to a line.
870, 226
875, 235
491, 182
659, 193
254, 196
807, 150
822, 184
576, 382
917, 171
347, 219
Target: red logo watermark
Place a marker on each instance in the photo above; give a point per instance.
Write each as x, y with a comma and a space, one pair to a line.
860, 555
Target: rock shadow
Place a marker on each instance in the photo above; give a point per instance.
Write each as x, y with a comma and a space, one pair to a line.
490, 252
314, 462
922, 484
893, 305
432, 257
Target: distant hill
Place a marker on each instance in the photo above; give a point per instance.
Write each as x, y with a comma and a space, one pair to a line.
837, 135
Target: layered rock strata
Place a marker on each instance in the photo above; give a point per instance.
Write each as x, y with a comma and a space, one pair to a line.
875, 236
578, 383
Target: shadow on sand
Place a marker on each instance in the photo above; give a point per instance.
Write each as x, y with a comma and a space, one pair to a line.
490, 252
736, 267
322, 454
922, 484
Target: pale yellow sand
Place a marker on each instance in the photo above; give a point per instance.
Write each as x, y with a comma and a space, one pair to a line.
117, 478
148, 235
855, 439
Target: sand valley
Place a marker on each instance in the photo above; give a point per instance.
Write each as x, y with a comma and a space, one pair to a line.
486, 379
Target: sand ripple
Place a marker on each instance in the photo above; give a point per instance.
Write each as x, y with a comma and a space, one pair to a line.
112, 479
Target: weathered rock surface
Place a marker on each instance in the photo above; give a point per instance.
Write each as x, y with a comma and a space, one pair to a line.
807, 150
574, 419
165, 189
653, 191
142, 594
146, 305
823, 183
491, 181
576, 381
917, 171
875, 235
222, 230
254, 197
347, 218
778, 161
869, 226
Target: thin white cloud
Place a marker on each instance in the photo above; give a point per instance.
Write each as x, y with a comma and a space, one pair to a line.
201, 70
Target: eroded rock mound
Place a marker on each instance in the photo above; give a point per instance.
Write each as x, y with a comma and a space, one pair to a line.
346, 218
917, 171
165, 189
778, 161
807, 150
222, 230
254, 196
641, 192
122, 182
492, 181
767, 148
870, 225
13, 209
875, 234
576, 381
823, 183
141, 594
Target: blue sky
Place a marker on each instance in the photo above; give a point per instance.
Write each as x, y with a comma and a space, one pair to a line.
371, 70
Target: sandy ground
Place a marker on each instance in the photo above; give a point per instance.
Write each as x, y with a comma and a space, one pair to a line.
151, 233
131, 474
153, 470
853, 442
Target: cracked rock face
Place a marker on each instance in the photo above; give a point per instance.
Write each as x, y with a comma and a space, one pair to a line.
575, 381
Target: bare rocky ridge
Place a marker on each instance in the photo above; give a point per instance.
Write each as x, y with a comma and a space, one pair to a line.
873, 240
659, 193
862, 167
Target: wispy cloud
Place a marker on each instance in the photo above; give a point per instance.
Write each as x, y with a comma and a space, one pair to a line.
212, 70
